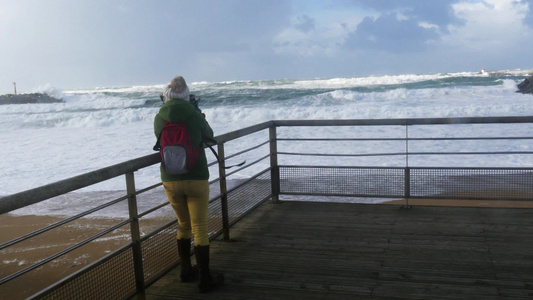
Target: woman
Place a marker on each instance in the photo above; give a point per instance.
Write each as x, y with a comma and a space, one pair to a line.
189, 193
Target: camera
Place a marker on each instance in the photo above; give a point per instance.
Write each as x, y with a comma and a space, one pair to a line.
194, 102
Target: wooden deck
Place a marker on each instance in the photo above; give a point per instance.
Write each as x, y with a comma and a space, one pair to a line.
306, 250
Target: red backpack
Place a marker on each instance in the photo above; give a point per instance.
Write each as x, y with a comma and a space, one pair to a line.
177, 153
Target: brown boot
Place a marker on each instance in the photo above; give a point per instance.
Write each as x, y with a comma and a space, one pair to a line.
207, 282
188, 272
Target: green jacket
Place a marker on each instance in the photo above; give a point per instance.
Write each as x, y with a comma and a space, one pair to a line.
179, 111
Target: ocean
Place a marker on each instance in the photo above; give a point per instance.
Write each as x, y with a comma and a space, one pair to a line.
95, 128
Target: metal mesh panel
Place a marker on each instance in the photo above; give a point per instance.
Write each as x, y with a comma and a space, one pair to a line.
472, 183
214, 221
112, 279
247, 196
159, 252
376, 182
460, 183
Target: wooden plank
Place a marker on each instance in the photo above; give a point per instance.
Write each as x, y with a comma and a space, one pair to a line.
305, 250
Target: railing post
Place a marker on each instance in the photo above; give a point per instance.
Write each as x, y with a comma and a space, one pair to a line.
274, 168
223, 191
407, 172
135, 235
407, 187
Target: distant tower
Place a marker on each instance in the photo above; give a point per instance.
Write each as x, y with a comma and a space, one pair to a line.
15, 85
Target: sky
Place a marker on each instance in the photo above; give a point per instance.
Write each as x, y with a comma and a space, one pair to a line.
78, 44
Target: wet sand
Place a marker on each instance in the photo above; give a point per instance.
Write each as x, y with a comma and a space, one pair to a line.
27, 253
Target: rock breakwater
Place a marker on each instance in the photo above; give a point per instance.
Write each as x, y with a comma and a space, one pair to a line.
27, 98
526, 86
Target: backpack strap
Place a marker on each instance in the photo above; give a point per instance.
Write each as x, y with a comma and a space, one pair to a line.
214, 142
157, 145
211, 141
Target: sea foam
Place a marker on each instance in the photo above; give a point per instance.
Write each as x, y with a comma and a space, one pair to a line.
95, 128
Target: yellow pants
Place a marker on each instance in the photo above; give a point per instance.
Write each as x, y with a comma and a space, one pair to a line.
190, 199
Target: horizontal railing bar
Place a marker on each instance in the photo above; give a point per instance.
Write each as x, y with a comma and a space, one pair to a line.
403, 196
342, 195
403, 122
148, 188
32, 196
246, 150
138, 192
247, 165
157, 230
404, 139
337, 139
214, 180
499, 198
151, 210
470, 153
473, 138
340, 167
61, 253
340, 155
62, 222
239, 153
403, 168
223, 138
403, 153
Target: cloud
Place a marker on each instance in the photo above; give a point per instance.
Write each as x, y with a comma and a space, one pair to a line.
306, 36
394, 26
490, 25
402, 26
436, 12
78, 43
305, 23
230, 26
529, 17
391, 33
316, 33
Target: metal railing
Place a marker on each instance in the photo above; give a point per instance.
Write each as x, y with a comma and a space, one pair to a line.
272, 171
406, 176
